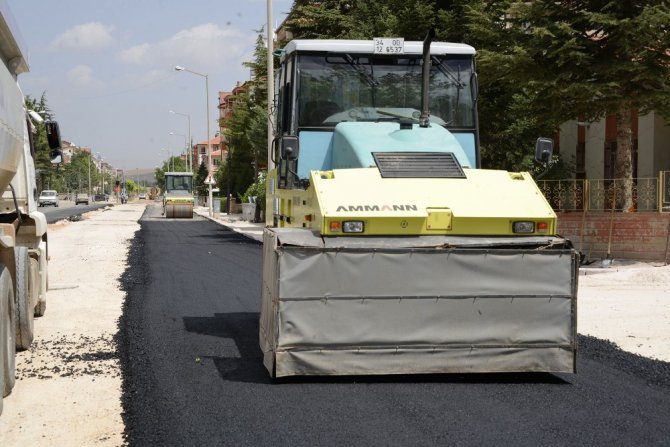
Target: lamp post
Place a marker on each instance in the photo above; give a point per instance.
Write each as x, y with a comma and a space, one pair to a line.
181, 135
271, 78
209, 141
89, 175
102, 174
190, 144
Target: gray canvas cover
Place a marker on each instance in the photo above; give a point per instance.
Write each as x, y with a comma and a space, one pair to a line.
399, 310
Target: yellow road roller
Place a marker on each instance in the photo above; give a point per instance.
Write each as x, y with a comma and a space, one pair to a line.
178, 196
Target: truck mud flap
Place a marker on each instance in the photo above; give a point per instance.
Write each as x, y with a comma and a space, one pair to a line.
385, 308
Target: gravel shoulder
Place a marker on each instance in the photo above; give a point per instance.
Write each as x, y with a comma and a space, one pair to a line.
68, 383
627, 303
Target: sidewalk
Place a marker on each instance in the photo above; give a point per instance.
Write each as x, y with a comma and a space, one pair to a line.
234, 222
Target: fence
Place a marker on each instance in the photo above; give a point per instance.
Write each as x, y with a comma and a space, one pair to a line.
649, 194
598, 231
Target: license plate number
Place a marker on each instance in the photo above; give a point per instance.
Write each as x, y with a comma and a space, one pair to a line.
389, 45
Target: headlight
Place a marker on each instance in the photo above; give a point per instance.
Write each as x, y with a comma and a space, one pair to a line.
523, 227
353, 226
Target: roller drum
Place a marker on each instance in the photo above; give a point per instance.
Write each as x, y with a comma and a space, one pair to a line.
179, 210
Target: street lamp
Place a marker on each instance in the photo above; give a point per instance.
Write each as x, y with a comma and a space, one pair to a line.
181, 135
102, 174
190, 149
90, 155
270, 82
209, 141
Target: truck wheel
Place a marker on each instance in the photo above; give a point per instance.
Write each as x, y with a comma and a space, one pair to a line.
7, 331
25, 303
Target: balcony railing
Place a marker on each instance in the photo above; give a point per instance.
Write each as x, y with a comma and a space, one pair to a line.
649, 194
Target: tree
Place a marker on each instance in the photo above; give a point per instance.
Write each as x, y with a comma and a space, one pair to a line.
76, 173
199, 185
130, 186
590, 58
320, 19
246, 129
43, 167
511, 122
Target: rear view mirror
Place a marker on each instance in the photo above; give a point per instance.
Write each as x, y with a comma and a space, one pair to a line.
290, 148
53, 137
544, 148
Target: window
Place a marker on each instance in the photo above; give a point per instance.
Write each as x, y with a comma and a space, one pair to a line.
350, 87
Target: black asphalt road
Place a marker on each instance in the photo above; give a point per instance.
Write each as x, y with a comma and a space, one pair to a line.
193, 376
68, 210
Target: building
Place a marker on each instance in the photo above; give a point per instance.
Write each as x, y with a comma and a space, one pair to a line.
219, 153
593, 146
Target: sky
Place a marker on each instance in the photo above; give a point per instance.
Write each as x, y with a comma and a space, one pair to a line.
107, 68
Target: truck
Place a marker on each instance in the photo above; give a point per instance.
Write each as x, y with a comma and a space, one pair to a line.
23, 229
178, 198
387, 248
154, 193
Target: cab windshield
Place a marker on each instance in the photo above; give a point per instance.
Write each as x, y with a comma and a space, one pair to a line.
350, 87
179, 183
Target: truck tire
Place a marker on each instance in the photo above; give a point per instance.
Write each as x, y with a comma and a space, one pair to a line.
25, 302
7, 331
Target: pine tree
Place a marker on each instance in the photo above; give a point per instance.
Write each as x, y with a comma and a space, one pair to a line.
246, 130
43, 168
199, 185
590, 58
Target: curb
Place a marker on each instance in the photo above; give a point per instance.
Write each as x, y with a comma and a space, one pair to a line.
248, 229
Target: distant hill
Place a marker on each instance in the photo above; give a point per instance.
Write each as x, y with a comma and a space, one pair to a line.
144, 177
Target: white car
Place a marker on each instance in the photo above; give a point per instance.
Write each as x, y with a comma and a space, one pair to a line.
48, 197
81, 198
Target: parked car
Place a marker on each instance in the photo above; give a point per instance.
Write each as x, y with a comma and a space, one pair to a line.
48, 197
81, 198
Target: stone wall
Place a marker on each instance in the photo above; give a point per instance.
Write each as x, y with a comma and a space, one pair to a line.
641, 236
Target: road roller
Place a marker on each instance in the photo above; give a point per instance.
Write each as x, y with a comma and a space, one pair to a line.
178, 196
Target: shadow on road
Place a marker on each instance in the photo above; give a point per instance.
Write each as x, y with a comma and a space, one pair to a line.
242, 328
229, 236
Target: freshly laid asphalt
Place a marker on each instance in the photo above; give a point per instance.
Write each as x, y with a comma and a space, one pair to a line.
193, 373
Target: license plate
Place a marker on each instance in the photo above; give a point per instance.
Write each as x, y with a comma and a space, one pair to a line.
389, 45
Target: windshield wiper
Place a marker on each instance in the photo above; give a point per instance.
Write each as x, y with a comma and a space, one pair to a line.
448, 73
396, 115
372, 82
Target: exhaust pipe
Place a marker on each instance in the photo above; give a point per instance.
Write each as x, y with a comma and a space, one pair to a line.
425, 79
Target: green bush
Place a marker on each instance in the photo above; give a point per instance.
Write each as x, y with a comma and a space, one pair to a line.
256, 189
